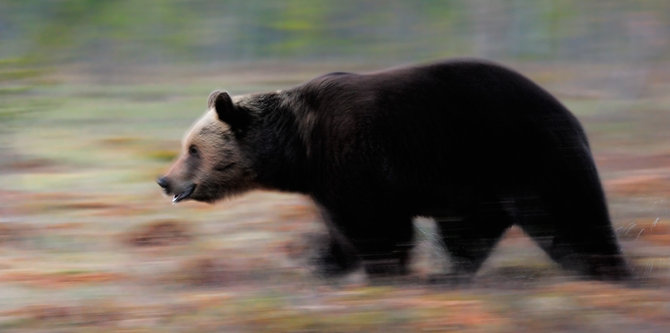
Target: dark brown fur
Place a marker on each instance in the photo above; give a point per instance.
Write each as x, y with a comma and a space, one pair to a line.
472, 144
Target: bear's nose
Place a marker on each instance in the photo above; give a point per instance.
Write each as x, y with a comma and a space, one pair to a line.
162, 182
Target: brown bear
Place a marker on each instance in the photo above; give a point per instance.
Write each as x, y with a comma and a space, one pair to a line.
474, 145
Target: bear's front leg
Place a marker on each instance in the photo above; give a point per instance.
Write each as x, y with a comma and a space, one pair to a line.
333, 257
381, 242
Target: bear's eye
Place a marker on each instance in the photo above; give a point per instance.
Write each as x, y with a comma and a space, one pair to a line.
192, 150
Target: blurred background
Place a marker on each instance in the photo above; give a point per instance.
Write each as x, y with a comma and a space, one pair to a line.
95, 96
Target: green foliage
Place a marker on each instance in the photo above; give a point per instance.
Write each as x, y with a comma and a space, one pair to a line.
125, 32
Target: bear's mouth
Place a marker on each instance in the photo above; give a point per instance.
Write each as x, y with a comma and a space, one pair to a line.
185, 194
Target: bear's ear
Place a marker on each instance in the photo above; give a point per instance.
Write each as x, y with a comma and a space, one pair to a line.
227, 111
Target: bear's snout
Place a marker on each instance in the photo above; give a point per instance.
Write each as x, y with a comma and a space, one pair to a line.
167, 186
162, 182
180, 192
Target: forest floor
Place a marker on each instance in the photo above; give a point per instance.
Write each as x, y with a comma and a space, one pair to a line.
87, 240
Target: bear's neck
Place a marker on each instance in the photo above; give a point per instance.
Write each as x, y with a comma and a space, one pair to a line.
281, 161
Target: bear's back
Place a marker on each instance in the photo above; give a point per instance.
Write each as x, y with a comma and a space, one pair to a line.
427, 130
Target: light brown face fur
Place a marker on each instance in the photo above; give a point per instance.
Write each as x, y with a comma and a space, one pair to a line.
211, 165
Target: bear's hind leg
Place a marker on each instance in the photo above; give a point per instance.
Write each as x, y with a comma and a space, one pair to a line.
575, 231
586, 249
470, 239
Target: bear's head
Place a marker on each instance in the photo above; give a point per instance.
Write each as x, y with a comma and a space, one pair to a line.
212, 163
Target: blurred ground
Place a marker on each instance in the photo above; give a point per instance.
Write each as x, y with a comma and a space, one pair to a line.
87, 240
